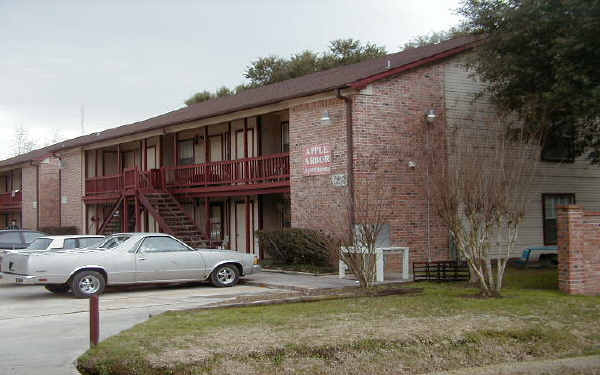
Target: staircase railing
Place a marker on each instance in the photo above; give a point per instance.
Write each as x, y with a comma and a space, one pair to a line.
110, 217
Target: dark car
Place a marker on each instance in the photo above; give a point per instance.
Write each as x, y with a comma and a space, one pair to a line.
17, 239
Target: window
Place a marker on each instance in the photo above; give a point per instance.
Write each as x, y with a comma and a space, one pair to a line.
161, 245
113, 241
89, 242
185, 150
11, 240
559, 145
30, 236
40, 244
70, 243
549, 211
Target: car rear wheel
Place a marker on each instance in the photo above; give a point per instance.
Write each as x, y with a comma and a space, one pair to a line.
87, 283
225, 275
57, 288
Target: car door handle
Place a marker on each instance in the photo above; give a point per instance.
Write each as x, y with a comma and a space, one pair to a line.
141, 258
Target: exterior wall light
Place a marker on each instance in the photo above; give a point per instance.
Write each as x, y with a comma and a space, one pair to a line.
430, 116
326, 119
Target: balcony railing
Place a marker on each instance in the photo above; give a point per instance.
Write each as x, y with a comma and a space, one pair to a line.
11, 200
258, 170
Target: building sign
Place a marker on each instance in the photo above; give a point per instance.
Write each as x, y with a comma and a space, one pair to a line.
339, 180
317, 160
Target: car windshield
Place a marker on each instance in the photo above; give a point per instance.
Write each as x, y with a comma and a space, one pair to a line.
39, 244
113, 241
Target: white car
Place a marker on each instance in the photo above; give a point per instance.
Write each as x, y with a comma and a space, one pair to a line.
64, 242
126, 258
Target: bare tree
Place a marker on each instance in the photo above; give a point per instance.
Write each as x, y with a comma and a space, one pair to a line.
482, 194
22, 142
355, 238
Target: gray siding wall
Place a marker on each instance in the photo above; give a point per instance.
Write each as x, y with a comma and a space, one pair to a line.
579, 178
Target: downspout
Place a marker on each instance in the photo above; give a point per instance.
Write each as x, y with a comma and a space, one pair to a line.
349, 154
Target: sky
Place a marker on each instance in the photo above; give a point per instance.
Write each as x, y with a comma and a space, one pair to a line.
128, 60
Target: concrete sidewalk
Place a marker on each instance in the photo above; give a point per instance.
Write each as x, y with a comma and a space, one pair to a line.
300, 282
296, 282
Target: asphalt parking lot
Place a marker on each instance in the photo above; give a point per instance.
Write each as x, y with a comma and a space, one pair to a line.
43, 333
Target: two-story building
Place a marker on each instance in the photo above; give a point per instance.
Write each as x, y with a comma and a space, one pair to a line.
281, 155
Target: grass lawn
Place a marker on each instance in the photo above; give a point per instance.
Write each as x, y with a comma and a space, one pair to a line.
444, 328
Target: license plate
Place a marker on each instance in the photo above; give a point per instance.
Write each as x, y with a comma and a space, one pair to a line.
19, 280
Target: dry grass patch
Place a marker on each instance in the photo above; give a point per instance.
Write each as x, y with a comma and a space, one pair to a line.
439, 330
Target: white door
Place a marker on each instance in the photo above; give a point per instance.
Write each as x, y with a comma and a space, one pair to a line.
216, 148
240, 229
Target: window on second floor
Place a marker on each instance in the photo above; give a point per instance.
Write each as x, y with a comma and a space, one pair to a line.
185, 150
559, 145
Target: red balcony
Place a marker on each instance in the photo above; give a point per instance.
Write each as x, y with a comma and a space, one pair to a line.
262, 172
11, 201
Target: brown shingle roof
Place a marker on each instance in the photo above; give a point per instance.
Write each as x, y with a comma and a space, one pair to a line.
310, 84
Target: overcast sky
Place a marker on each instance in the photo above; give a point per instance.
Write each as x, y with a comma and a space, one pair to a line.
129, 60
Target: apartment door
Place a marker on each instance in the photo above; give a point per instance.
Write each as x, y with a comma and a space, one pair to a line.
216, 148
110, 165
241, 228
151, 158
239, 144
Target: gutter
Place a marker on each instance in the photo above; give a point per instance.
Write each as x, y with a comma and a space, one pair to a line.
349, 153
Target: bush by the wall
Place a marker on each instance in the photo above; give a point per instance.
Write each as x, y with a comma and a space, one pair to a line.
295, 246
59, 231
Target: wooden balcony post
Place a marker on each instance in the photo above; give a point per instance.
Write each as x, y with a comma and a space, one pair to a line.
246, 164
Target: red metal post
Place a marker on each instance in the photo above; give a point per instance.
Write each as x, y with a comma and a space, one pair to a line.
94, 321
246, 164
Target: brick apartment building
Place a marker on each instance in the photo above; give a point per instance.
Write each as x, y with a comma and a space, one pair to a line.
278, 156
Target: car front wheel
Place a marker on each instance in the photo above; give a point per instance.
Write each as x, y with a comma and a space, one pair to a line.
225, 275
87, 283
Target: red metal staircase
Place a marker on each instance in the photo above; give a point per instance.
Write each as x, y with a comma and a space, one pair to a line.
158, 202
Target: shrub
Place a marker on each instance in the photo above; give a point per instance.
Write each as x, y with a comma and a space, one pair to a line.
295, 246
59, 231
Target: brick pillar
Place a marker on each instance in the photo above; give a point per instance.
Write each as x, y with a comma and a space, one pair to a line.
571, 272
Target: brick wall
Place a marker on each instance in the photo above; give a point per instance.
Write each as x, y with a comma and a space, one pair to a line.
29, 186
314, 198
579, 250
389, 125
389, 131
72, 190
48, 196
